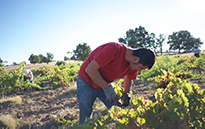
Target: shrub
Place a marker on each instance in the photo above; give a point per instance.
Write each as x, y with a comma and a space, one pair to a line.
60, 63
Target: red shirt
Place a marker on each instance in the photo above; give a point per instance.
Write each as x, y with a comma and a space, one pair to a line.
111, 58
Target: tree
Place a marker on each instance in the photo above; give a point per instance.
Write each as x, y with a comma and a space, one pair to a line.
121, 40
152, 43
66, 58
182, 40
34, 59
82, 52
137, 38
42, 58
49, 57
1, 62
160, 41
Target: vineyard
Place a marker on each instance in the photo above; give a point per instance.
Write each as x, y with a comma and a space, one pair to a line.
170, 95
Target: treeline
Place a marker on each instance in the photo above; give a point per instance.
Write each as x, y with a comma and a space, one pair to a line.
181, 40
138, 37
40, 58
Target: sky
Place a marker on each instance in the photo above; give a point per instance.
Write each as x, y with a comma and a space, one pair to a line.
58, 26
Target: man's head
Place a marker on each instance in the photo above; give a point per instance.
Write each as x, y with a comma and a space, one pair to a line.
143, 58
28, 74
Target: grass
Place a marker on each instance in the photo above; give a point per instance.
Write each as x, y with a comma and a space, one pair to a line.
16, 99
72, 91
8, 121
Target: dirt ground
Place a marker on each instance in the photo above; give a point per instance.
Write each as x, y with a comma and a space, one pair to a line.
38, 107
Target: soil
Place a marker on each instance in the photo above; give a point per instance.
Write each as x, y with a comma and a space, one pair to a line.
38, 107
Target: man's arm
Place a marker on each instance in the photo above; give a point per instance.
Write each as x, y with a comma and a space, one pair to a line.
127, 84
92, 71
126, 96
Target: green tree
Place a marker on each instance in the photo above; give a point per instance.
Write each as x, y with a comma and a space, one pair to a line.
160, 41
49, 57
82, 52
66, 58
152, 43
34, 59
182, 40
137, 38
42, 58
121, 40
1, 62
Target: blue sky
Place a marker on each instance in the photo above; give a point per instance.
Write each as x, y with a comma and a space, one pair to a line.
58, 26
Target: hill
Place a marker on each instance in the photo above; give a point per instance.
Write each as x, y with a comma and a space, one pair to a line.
37, 65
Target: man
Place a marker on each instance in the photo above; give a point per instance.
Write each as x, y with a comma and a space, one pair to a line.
105, 64
28, 75
196, 52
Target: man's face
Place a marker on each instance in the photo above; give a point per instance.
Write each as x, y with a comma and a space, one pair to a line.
137, 66
29, 75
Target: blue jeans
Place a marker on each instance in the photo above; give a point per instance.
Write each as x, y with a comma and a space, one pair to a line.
86, 97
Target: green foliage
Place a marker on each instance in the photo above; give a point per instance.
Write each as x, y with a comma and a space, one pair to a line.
60, 63
82, 52
182, 40
180, 105
137, 38
121, 40
178, 64
49, 57
65, 122
34, 59
58, 75
66, 58
2, 63
160, 42
54, 76
13, 80
40, 58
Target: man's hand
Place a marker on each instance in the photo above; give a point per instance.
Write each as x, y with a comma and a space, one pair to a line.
126, 99
110, 94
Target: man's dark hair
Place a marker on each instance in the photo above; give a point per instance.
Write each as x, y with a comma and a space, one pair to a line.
146, 55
